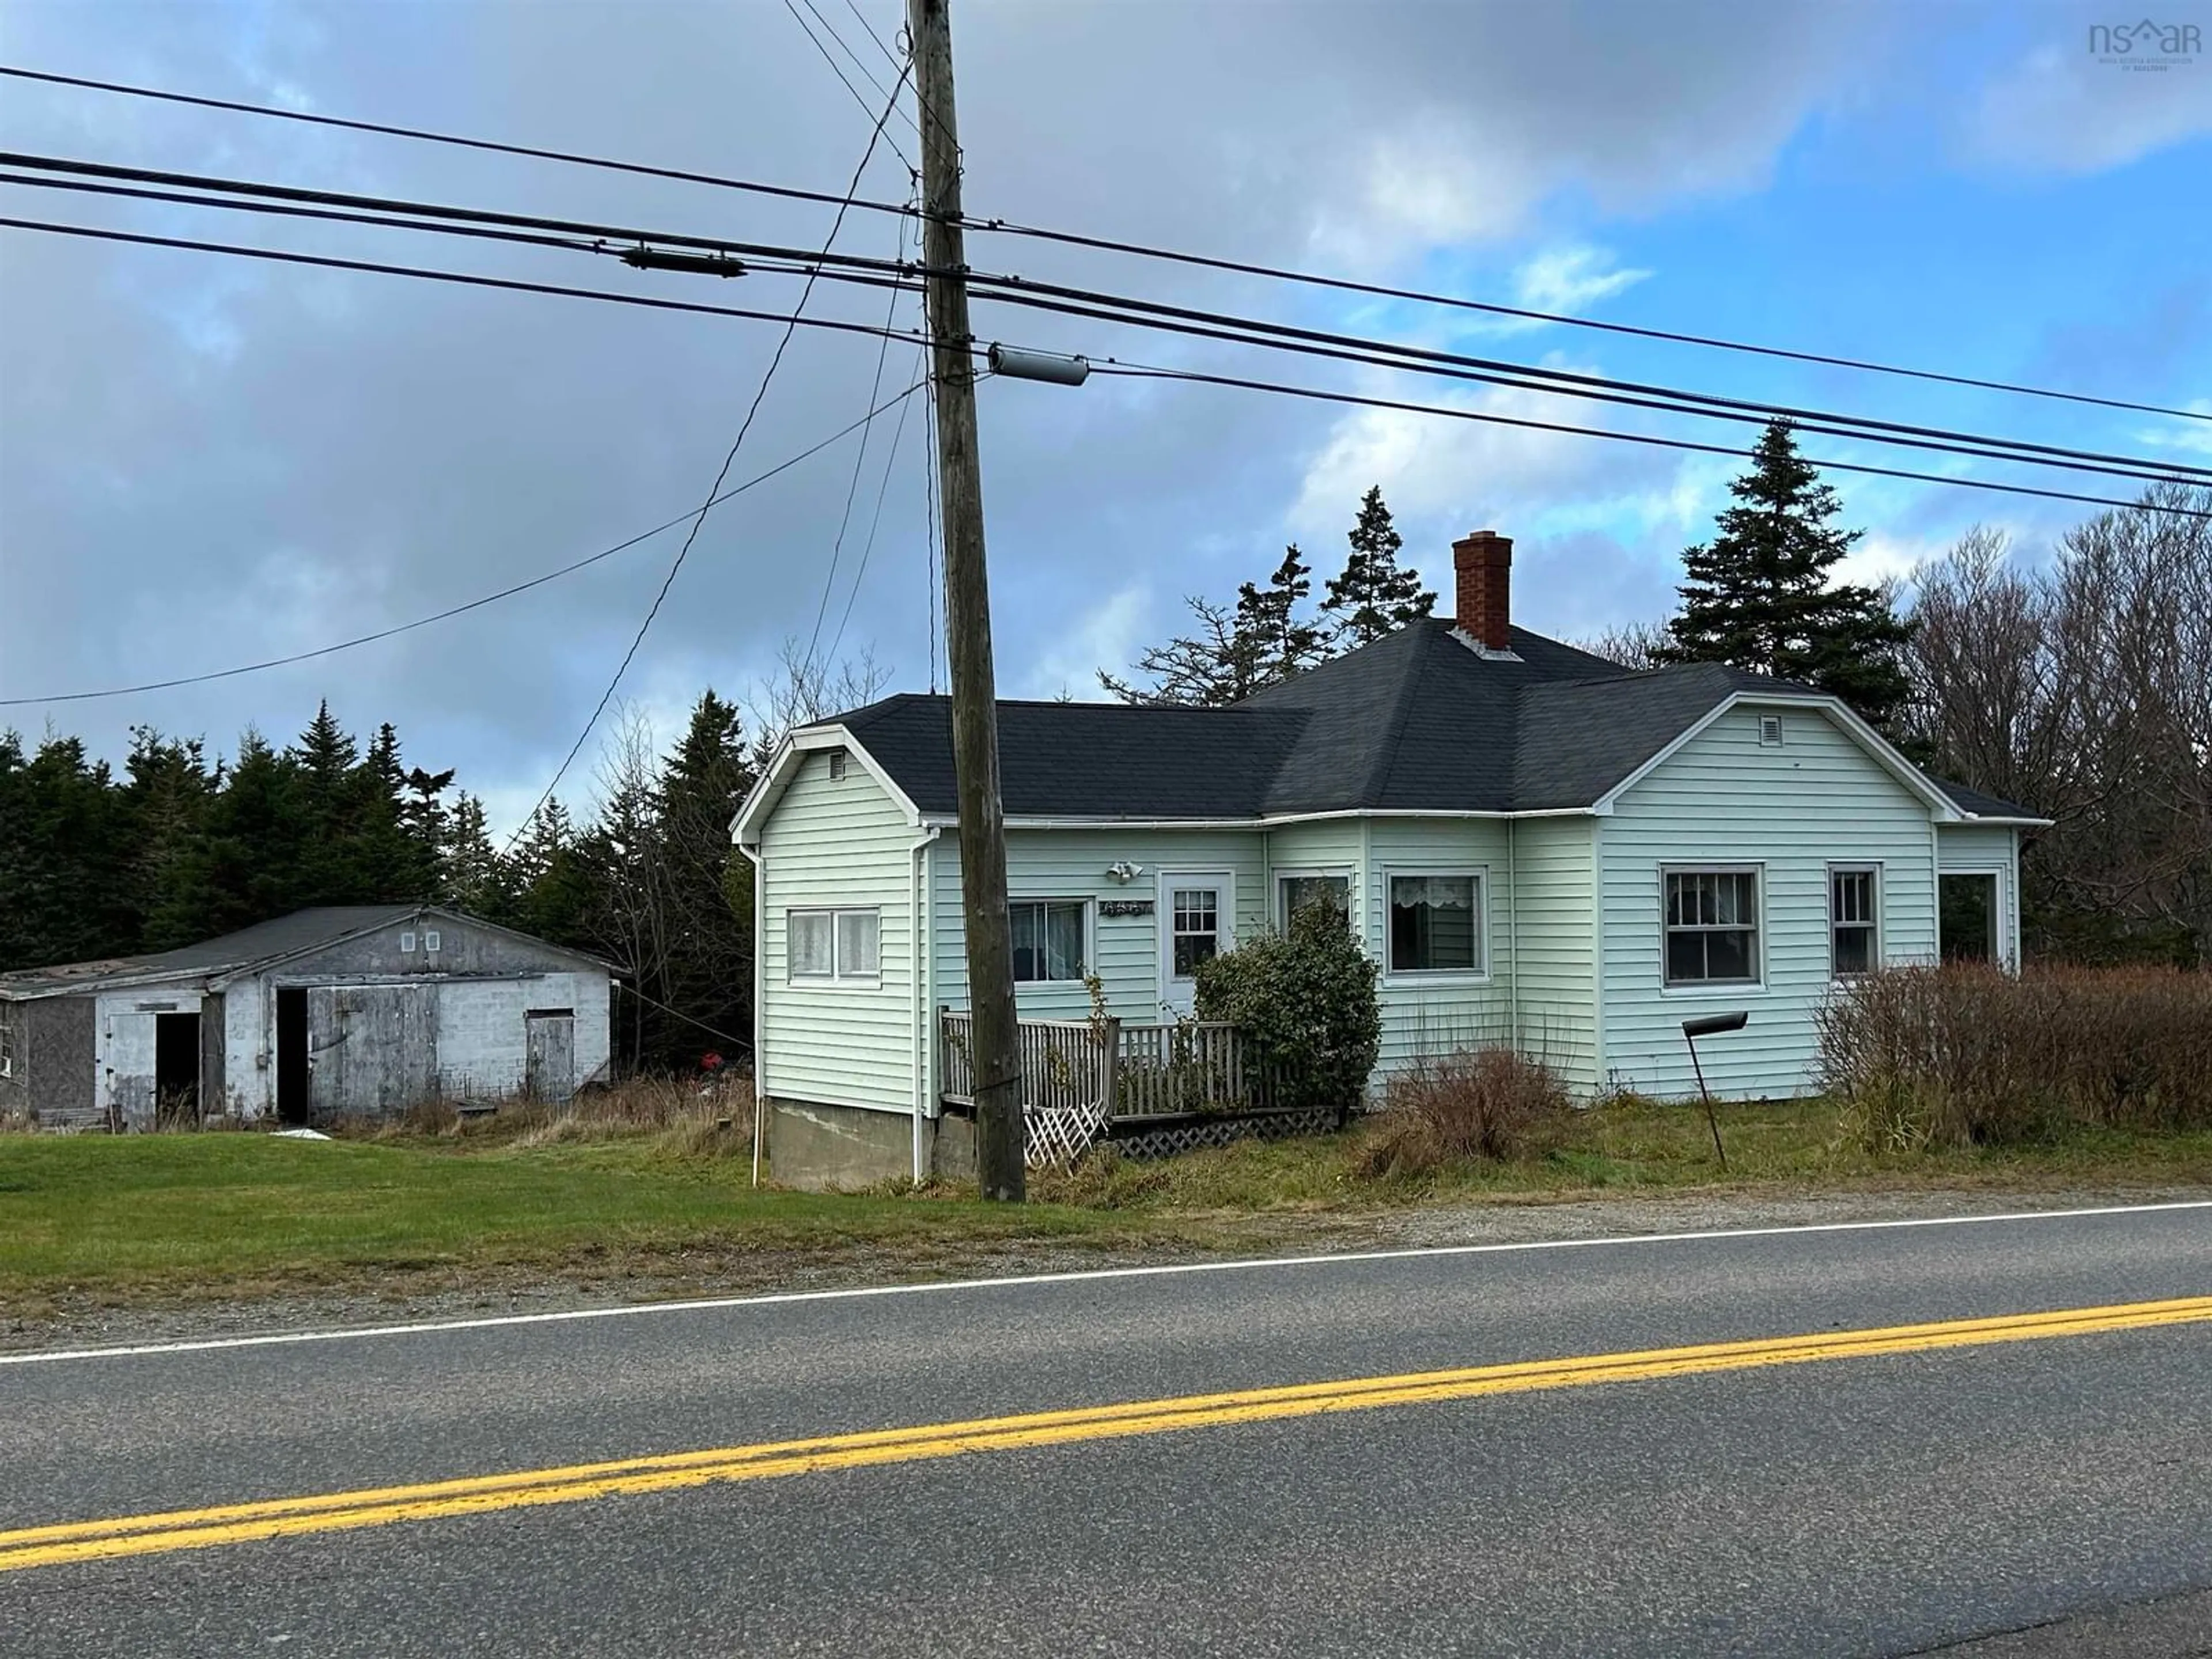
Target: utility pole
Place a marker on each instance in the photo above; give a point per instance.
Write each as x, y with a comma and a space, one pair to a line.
993, 1033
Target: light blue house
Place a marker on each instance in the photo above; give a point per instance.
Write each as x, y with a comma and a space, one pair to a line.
1537, 848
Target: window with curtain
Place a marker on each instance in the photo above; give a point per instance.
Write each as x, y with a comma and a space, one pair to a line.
1047, 940
1712, 927
1854, 923
1435, 923
834, 944
1294, 893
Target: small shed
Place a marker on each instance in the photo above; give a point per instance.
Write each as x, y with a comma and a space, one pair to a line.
340, 1011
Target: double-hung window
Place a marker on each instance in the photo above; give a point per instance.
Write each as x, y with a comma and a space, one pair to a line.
1049, 939
835, 944
1854, 920
1712, 927
1301, 890
1436, 922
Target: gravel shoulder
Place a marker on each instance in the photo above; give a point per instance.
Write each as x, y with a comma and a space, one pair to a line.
69, 1318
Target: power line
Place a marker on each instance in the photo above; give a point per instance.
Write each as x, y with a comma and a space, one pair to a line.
859, 462
837, 70
1015, 290
1079, 239
1385, 291
1318, 395
468, 279
869, 29
876, 519
759, 394
2142, 469
540, 581
1208, 325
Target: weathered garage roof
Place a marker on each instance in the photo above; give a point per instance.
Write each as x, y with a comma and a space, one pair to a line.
261, 945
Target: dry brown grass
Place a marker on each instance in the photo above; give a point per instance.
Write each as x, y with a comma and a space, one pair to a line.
668, 1109
1962, 1055
1475, 1105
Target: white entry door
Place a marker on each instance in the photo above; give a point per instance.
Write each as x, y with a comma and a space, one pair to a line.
1198, 920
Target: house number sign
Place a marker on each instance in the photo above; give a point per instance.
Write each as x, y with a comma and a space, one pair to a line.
1124, 907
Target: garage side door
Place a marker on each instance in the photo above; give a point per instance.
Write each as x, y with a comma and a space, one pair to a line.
549, 1069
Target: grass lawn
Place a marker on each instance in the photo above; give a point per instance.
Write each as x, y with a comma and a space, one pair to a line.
241, 1213
144, 1219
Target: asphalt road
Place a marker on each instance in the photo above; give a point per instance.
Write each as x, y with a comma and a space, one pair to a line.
2058, 1489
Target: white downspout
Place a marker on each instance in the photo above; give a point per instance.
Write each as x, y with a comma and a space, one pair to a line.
760, 997
1513, 932
923, 1018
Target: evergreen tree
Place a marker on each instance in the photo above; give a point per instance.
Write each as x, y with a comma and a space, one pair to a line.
707, 971
1761, 595
64, 838
168, 798
386, 859
1374, 595
552, 889
474, 877
249, 863
1281, 643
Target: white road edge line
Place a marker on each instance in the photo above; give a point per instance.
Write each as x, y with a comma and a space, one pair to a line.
774, 1298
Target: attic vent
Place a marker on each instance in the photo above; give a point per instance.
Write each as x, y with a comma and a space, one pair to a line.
1770, 730
406, 944
836, 765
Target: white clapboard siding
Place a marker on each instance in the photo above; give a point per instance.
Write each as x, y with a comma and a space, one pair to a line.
1427, 1014
839, 842
1816, 800
1073, 864
1555, 865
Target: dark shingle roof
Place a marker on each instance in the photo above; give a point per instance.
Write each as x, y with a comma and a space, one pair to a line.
264, 941
1416, 721
1981, 805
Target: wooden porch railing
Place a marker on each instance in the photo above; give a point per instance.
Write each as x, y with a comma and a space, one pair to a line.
1077, 1075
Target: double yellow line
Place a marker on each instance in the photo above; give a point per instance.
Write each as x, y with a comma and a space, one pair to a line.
235, 1523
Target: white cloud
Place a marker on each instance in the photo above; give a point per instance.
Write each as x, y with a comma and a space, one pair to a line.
2061, 109
1879, 557
1572, 278
2193, 436
1107, 637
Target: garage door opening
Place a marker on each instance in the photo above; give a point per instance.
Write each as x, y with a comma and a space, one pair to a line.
176, 1069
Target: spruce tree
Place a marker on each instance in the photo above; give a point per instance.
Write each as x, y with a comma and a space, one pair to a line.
1761, 594
1374, 595
1282, 644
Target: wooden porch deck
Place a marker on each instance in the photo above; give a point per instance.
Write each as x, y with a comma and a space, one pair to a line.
1082, 1078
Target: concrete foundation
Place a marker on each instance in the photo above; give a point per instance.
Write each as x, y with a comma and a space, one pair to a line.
820, 1148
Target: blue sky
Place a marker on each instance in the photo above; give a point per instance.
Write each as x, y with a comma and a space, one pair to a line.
204, 462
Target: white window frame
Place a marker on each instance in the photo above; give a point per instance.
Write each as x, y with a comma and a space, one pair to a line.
1090, 932
1716, 987
835, 976
431, 941
1478, 974
1864, 868
1315, 873
407, 944
8, 1046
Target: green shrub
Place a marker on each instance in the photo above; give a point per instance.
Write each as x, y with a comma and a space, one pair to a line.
1306, 1001
1969, 1055
1488, 1104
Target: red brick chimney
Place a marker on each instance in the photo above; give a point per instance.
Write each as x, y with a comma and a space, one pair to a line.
1482, 560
